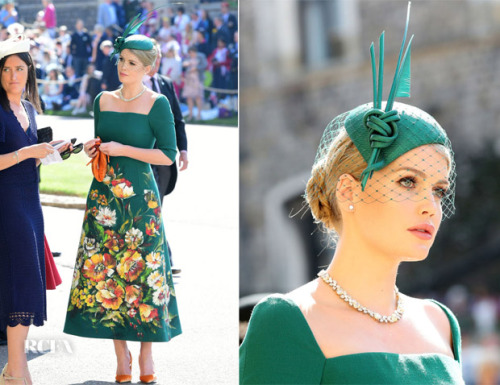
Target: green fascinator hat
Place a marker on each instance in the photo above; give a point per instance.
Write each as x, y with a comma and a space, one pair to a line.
383, 131
130, 41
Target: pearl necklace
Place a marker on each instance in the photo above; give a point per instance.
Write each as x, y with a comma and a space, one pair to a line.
394, 317
133, 98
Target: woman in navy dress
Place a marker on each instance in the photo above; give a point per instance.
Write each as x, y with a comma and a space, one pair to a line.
22, 261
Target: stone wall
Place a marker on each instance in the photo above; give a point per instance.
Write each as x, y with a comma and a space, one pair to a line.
68, 11
285, 107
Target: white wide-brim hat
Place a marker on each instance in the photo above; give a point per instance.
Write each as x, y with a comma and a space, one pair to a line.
16, 44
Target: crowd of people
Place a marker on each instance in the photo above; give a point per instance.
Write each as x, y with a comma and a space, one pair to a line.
199, 53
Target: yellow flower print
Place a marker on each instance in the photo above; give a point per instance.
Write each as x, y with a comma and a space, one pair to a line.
150, 198
102, 200
122, 188
153, 278
90, 300
148, 312
153, 260
94, 194
131, 265
97, 267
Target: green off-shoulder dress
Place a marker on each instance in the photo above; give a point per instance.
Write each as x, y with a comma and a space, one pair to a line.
280, 348
122, 284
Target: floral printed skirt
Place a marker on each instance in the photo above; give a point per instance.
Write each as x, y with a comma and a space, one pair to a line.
122, 284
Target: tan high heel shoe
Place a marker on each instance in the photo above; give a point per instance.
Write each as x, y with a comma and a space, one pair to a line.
4, 377
124, 378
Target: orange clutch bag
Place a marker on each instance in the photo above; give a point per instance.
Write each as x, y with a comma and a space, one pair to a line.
99, 162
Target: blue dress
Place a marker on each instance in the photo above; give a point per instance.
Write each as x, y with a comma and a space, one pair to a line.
22, 259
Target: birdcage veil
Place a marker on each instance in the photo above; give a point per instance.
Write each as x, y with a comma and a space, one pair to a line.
392, 149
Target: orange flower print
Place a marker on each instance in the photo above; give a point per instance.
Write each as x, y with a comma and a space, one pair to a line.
122, 188
133, 295
94, 211
110, 294
148, 313
113, 241
110, 175
98, 266
109, 262
131, 266
102, 200
152, 228
94, 194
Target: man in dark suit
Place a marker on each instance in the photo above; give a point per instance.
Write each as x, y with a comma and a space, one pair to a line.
230, 20
221, 32
166, 176
80, 48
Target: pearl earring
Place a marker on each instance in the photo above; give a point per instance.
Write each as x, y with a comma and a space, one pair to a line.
351, 207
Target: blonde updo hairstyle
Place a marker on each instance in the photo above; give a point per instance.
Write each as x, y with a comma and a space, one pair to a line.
341, 158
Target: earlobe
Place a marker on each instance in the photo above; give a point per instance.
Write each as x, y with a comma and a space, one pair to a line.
345, 192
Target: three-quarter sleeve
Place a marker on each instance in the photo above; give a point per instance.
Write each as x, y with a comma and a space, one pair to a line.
161, 121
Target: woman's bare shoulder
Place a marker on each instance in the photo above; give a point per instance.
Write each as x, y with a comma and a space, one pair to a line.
108, 100
304, 296
425, 311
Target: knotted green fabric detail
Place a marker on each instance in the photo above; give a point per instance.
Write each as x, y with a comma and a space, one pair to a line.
383, 131
382, 137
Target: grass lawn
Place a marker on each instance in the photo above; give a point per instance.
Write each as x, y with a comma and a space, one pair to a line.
71, 177
231, 122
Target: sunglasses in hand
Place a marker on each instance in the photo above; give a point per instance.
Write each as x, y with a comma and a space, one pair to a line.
74, 150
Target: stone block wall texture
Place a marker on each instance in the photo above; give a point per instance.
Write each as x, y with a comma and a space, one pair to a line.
68, 11
455, 77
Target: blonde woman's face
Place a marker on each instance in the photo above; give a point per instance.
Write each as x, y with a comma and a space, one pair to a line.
130, 68
399, 212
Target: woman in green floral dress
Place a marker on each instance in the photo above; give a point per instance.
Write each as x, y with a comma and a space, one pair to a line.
122, 286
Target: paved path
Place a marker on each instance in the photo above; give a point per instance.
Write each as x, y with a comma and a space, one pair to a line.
201, 220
